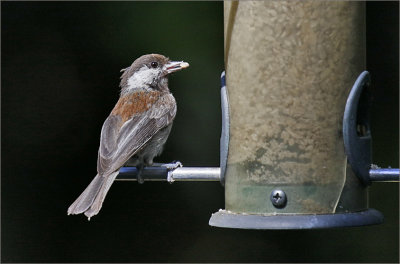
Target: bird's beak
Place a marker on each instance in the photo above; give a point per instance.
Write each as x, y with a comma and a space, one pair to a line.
173, 66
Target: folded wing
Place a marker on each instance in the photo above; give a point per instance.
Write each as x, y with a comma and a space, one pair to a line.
122, 137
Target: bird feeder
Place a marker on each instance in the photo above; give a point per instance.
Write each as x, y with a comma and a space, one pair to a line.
290, 67
295, 143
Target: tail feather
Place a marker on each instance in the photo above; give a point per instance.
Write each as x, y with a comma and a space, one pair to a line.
98, 201
91, 200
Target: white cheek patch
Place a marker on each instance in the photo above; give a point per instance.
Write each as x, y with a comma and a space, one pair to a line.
142, 78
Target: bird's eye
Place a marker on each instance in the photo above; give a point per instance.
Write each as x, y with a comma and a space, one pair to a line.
154, 64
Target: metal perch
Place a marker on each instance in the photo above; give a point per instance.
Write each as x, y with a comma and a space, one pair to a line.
178, 174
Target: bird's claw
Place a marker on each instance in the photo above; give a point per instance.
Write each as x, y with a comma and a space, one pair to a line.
171, 167
139, 177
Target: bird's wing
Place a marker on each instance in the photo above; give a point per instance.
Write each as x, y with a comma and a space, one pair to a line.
122, 136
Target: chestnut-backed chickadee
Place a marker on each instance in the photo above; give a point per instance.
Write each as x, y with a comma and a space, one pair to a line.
136, 129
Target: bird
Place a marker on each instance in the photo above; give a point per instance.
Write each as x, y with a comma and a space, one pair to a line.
136, 129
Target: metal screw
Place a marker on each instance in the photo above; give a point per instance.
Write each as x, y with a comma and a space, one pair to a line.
278, 198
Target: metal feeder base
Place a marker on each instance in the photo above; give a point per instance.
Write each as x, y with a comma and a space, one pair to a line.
315, 221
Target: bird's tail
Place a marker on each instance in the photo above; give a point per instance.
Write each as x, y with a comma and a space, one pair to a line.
90, 201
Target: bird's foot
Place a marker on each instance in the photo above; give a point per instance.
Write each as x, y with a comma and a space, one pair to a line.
171, 167
139, 177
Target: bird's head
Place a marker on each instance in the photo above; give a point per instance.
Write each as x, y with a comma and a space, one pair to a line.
149, 72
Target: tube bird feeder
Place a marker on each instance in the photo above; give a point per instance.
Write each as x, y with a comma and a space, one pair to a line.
289, 69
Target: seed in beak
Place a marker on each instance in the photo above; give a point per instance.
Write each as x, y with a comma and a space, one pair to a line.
174, 66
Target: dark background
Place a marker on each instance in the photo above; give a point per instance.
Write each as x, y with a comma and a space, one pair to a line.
59, 81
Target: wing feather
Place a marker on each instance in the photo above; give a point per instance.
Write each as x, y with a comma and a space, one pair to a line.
120, 140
